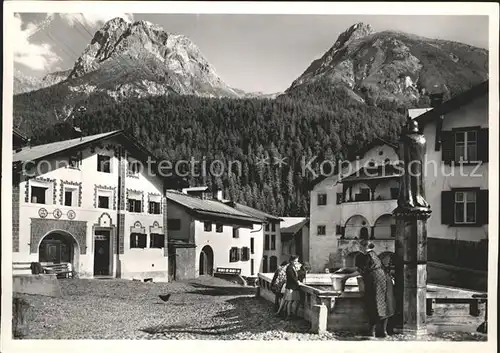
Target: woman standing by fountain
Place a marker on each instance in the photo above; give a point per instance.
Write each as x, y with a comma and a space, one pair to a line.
379, 293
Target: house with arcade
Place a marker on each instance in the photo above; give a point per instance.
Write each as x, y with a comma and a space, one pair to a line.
355, 203
358, 202
91, 202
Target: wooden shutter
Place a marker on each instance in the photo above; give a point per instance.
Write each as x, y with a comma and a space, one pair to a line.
238, 254
447, 207
482, 145
482, 207
448, 146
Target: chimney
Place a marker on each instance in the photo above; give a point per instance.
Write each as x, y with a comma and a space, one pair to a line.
217, 194
436, 99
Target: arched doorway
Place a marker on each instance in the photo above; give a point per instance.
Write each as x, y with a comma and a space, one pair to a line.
356, 227
206, 261
59, 247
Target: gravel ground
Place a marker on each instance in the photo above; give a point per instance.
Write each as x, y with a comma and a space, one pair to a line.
206, 308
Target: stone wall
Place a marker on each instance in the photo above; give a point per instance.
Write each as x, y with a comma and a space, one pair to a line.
460, 253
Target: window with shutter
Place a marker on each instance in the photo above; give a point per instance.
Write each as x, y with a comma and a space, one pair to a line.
447, 207
466, 146
138, 240
156, 241
234, 255
448, 147
465, 207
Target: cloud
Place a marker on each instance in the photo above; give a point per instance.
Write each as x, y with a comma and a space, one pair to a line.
37, 56
92, 20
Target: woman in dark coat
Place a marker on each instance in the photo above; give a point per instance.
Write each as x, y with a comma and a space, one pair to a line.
379, 292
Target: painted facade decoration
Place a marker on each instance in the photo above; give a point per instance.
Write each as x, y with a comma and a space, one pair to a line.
74, 213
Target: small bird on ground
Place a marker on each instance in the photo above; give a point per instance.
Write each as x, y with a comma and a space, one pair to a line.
165, 297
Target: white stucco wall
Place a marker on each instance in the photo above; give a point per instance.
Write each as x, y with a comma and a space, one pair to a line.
447, 177
133, 261
221, 243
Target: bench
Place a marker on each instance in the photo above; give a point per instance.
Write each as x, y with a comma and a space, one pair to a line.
483, 298
61, 270
473, 304
228, 271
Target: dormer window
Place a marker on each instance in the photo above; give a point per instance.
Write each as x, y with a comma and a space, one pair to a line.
74, 160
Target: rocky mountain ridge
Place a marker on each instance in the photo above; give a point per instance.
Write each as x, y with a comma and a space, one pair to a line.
23, 83
140, 59
396, 67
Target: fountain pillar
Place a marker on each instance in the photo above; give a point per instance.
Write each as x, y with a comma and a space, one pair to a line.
411, 216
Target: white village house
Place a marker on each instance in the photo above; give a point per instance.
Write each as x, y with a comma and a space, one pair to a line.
359, 204
87, 202
214, 235
457, 143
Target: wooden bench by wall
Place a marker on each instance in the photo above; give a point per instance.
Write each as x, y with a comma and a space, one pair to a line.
228, 271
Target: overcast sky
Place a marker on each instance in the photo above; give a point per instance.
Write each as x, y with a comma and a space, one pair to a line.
251, 52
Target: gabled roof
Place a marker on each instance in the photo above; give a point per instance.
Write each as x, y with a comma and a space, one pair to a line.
35, 153
293, 227
374, 143
209, 208
454, 103
361, 152
253, 212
